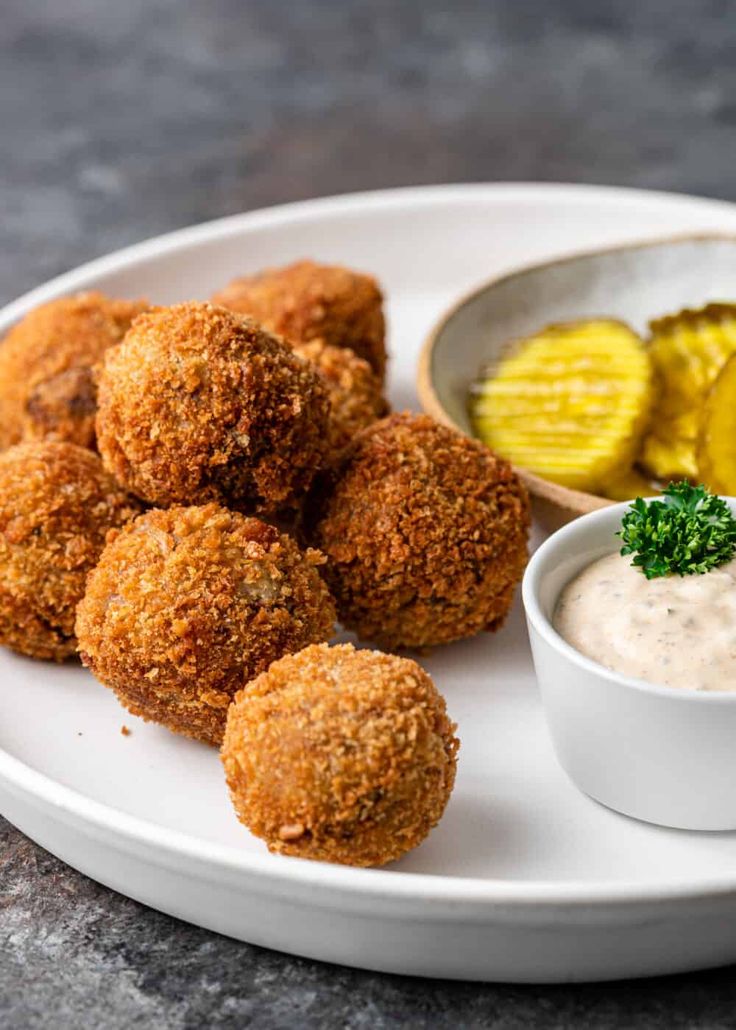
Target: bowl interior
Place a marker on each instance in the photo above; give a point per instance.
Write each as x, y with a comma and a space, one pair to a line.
565, 554
632, 283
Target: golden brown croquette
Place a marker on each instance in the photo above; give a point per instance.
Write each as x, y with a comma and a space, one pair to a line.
199, 404
63, 408
354, 389
340, 755
186, 605
425, 533
307, 301
56, 505
46, 385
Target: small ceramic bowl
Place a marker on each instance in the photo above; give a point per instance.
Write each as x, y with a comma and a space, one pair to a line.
662, 754
633, 283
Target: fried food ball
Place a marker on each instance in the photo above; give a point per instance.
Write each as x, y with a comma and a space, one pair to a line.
354, 389
56, 505
63, 408
46, 386
340, 755
186, 605
199, 404
308, 301
425, 532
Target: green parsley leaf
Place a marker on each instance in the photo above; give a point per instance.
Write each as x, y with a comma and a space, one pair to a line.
689, 531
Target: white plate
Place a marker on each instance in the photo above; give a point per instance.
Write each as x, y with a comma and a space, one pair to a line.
525, 879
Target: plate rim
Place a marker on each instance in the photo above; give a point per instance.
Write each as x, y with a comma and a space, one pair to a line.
389, 884
315, 207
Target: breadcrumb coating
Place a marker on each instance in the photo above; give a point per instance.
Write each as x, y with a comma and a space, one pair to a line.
340, 755
56, 505
354, 389
307, 301
425, 533
63, 408
186, 605
46, 388
199, 404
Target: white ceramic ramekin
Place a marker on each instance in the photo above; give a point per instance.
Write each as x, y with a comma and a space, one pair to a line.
666, 755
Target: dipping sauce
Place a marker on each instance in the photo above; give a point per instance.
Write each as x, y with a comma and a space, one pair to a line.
676, 631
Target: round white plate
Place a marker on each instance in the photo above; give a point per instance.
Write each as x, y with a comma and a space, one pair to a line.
525, 879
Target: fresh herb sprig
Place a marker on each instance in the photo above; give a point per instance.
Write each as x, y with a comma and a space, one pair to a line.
689, 531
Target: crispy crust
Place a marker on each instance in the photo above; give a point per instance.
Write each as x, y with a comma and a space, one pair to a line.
308, 301
425, 532
63, 407
354, 389
187, 605
198, 404
56, 505
340, 755
66, 335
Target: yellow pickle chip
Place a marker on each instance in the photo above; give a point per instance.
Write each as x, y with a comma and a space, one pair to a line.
629, 484
688, 351
717, 443
569, 403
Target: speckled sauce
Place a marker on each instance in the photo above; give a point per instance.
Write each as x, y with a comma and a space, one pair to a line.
676, 631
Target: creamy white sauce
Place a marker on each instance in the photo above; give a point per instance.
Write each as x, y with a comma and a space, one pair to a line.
677, 631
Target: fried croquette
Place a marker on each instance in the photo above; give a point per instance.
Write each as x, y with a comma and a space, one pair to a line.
187, 605
308, 301
340, 755
56, 505
354, 389
46, 386
425, 533
63, 408
199, 404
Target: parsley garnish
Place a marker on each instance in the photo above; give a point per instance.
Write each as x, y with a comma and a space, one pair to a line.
688, 531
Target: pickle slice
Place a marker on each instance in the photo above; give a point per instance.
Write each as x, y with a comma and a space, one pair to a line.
626, 485
717, 443
569, 403
671, 458
688, 351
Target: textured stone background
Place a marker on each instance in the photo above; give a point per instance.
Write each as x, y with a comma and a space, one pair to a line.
120, 120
